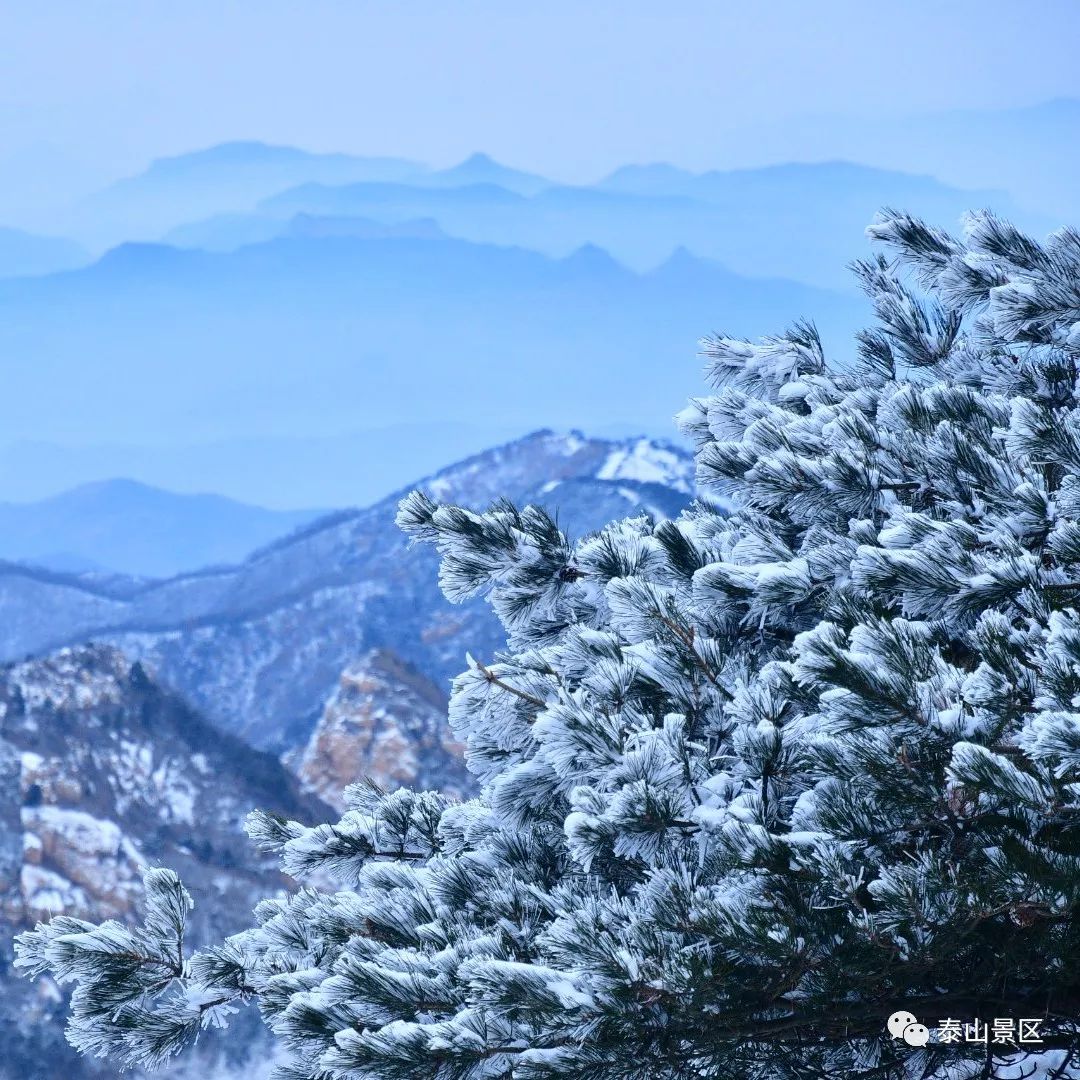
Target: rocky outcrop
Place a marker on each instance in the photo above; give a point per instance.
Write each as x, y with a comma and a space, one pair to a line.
102, 772
386, 722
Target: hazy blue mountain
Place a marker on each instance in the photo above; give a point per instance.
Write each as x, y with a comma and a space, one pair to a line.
128, 527
826, 181
803, 222
23, 254
319, 198
1033, 151
482, 169
317, 337
230, 177
314, 226
277, 471
389, 205
227, 232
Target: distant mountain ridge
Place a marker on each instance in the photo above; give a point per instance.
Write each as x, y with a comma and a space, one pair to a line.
24, 254
723, 185
801, 221
233, 176
480, 168
335, 333
961, 148
122, 526
253, 154
639, 213
1031, 151
336, 293
230, 176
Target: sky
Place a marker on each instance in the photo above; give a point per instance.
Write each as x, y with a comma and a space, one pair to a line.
92, 91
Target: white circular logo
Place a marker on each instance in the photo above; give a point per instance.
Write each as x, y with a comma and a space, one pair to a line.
916, 1034
898, 1021
904, 1025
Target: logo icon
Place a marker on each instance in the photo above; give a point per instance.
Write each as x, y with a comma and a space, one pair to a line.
904, 1025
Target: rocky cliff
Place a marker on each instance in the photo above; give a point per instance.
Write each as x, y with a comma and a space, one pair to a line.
103, 772
387, 721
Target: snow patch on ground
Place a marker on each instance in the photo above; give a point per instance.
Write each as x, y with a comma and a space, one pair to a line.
47, 893
31, 762
81, 831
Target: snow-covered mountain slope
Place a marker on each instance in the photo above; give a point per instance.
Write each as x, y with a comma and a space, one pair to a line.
102, 772
258, 648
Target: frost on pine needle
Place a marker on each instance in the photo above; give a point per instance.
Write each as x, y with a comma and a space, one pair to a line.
750, 780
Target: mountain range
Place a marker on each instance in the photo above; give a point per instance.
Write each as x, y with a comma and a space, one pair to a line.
234, 176
229, 176
1029, 150
799, 221
248, 299
961, 148
316, 336
258, 648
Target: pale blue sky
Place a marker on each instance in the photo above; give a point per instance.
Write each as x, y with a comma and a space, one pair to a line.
570, 88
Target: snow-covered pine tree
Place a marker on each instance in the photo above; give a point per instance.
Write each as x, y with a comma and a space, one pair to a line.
750, 783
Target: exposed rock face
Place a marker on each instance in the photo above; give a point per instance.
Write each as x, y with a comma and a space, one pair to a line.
387, 722
102, 773
258, 648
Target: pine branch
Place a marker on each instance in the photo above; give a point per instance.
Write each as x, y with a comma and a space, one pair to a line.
687, 638
496, 681
155, 961
374, 853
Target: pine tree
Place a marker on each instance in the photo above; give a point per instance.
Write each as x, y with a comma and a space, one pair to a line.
750, 783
